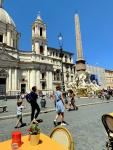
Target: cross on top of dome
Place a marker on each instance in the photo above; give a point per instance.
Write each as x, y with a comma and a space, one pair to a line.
38, 16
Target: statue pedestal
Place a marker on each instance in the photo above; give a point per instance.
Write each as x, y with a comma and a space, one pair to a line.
80, 65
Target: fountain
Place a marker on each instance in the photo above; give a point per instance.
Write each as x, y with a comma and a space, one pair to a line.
82, 85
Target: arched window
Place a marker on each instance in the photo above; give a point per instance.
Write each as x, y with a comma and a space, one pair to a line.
65, 58
40, 31
41, 50
43, 85
1, 38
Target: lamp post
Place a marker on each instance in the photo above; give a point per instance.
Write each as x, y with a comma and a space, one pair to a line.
60, 41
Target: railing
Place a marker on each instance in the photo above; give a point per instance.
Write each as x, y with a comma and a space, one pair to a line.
56, 81
43, 79
12, 93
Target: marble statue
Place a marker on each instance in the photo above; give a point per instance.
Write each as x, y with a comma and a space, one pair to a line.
82, 84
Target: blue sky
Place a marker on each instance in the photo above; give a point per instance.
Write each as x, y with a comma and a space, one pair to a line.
96, 21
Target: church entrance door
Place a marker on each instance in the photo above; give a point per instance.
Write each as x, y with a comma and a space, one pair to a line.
3, 77
2, 86
23, 88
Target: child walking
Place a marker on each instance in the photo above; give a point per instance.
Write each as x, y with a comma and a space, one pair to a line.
19, 114
72, 101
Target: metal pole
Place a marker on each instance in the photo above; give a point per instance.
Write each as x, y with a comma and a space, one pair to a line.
63, 87
60, 40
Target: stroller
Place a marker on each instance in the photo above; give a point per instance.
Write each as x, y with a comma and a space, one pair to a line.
107, 120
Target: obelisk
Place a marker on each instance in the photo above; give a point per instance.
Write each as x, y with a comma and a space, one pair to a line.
1, 1
80, 62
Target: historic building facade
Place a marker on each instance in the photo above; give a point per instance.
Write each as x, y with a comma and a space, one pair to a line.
20, 70
109, 78
42, 66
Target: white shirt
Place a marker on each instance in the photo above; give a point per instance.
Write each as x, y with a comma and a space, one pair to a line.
19, 110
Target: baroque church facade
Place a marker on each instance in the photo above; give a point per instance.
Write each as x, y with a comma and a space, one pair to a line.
42, 66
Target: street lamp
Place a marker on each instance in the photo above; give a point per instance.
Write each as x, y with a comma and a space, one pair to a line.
60, 41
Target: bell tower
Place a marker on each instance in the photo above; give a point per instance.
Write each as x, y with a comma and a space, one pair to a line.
39, 40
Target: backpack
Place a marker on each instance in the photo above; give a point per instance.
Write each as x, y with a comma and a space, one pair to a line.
29, 98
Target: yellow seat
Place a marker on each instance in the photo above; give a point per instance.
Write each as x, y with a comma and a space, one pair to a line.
107, 120
63, 136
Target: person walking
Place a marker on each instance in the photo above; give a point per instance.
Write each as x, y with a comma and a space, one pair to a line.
72, 101
59, 104
33, 96
22, 96
19, 114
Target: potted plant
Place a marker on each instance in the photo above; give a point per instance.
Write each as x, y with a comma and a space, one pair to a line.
34, 133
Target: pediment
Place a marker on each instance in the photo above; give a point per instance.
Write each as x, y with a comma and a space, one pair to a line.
6, 57
3, 73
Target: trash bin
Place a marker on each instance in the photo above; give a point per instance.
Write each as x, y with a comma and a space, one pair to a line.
43, 102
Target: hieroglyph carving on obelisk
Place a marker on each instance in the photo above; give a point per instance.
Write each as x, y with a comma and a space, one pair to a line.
78, 39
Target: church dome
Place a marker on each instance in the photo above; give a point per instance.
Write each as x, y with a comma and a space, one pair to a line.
5, 17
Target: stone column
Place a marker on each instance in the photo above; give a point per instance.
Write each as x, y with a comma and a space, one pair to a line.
10, 80
45, 50
47, 80
12, 39
16, 79
7, 84
9, 38
4, 38
28, 80
37, 47
38, 79
50, 81
17, 40
33, 78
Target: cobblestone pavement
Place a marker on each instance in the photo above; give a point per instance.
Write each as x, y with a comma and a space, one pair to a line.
85, 125
11, 105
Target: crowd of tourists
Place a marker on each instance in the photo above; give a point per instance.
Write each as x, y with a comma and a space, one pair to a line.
62, 101
105, 93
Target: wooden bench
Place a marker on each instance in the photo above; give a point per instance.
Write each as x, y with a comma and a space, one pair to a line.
4, 108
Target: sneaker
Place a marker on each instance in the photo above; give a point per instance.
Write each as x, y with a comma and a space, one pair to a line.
35, 121
76, 108
23, 124
39, 120
63, 124
16, 127
69, 109
55, 123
